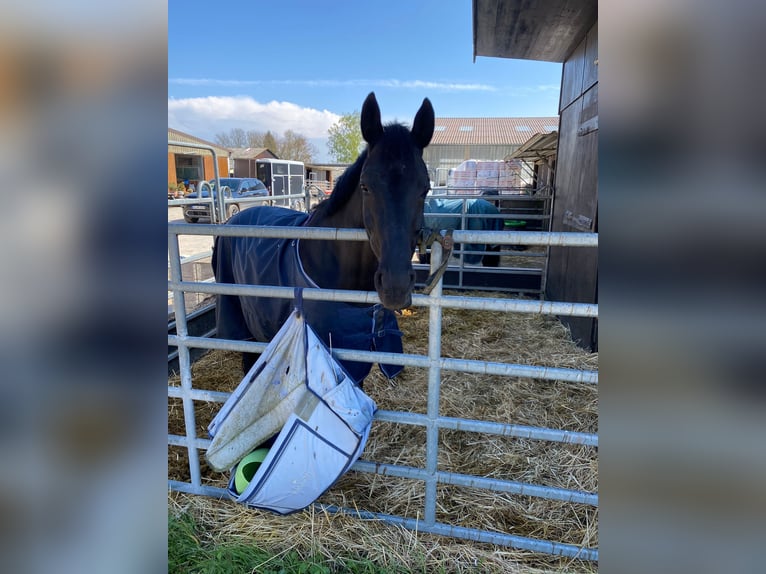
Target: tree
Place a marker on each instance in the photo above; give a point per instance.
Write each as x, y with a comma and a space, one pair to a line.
290, 146
345, 139
270, 142
296, 147
235, 138
255, 139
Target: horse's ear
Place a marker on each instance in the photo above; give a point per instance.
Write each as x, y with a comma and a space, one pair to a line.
372, 128
423, 126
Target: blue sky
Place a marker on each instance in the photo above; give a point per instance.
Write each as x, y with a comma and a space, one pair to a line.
300, 64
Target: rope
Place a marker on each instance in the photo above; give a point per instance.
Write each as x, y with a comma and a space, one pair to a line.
427, 238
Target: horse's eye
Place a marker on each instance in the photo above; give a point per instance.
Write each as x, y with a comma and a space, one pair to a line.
365, 189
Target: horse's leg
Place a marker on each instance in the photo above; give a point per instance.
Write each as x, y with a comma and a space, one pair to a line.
491, 260
248, 360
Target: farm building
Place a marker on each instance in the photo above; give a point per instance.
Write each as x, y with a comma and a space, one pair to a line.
193, 164
243, 160
566, 32
324, 175
539, 152
458, 139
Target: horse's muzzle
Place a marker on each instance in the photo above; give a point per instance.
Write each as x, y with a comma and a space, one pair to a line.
395, 290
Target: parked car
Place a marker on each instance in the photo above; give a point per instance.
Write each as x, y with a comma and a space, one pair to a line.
233, 188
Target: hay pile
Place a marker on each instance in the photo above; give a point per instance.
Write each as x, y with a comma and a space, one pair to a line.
503, 337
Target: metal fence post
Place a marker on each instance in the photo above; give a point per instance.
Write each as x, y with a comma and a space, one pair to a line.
434, 381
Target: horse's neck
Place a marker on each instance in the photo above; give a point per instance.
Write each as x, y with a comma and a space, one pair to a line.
340, 264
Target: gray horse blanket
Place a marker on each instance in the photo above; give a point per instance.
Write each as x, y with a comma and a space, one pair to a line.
275, 262
446, 214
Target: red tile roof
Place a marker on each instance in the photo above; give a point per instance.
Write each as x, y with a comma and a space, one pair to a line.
490, 131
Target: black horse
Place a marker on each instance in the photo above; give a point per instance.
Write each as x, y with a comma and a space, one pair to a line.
382, 192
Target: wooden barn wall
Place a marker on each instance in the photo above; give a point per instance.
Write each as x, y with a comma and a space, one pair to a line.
223, 166
172, 169
207, 162
573, 272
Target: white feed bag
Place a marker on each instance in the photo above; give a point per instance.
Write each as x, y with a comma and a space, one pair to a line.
324, 417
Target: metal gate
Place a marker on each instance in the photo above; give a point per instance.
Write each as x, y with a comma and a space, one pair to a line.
433, 361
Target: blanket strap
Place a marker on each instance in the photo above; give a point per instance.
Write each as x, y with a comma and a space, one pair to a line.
427, 238
298, 295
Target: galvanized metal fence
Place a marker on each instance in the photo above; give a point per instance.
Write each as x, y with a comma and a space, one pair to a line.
434, 362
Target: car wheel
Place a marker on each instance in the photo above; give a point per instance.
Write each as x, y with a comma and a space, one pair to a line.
298, 205
191, 219
233, 210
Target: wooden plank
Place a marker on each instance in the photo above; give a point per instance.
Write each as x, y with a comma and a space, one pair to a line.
589, 112
573, 272
571, 81
590, 75
546, 31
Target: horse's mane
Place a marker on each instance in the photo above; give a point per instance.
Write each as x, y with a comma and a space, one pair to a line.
397, 135
344, 188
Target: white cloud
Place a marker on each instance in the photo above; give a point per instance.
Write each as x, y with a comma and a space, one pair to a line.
371, 83
206, 116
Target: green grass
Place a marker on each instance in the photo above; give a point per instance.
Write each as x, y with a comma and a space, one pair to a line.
189, 553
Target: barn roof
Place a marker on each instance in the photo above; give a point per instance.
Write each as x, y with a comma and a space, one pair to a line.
178, 135
490, 131
252, 153
540, 30
537, 147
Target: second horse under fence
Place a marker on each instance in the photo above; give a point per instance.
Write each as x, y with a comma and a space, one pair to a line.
442, 213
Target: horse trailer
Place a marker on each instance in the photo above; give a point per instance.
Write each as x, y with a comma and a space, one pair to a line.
281, 177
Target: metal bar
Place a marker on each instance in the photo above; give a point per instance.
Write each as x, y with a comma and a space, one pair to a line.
469, 481
201, 199
177, 440
488, 427
473, 534
462, 365
519, 431
434, 381
184, 360
196, 257
199, 394
559, 239
371, 298
201, 490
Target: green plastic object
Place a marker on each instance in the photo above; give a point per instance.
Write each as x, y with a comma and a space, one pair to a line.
247, 468
515, 223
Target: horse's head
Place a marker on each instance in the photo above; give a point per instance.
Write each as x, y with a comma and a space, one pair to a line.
394, 182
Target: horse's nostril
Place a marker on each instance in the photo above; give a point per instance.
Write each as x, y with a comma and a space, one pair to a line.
378, 280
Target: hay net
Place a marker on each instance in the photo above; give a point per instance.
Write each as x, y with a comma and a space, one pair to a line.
296, 389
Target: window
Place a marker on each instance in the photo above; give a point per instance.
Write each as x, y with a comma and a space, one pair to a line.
465, 128
440, 128
523, 129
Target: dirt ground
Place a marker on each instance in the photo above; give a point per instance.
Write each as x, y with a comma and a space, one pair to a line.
195, 270
189, 244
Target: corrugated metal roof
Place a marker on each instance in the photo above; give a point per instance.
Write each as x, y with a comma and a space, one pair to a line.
490, 131
177, 135
251, 153
539, 146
